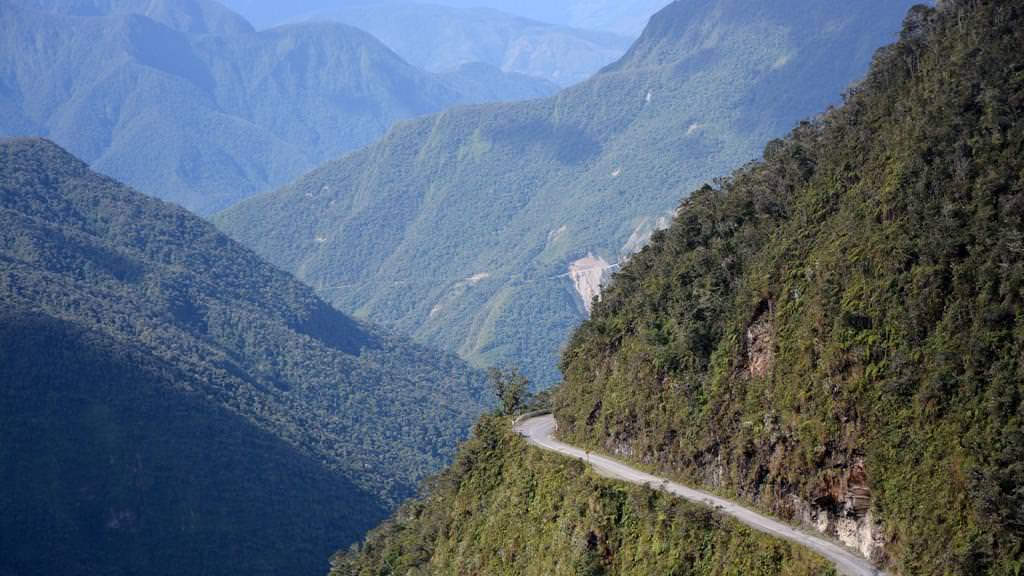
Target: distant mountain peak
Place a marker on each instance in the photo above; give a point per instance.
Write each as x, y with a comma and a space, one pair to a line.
686, 28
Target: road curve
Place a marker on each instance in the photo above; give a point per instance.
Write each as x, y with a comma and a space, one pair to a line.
539, 432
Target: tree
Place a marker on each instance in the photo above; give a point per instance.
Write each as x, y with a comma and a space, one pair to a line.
511, 387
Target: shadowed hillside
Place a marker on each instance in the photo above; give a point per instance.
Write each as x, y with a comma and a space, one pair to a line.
172, 404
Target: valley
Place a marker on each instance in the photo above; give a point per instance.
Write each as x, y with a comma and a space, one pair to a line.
831, 336
492, 288
523, 190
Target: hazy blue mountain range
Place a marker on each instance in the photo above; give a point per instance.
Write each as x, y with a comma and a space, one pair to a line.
170, 404
205, 119
487, 229
627, 17
441, 38
190, 16
620, 16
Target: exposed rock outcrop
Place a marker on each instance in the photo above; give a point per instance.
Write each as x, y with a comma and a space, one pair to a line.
760, 343
863, 533
589, 275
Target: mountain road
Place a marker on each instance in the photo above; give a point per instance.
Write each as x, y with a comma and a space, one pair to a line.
539, 431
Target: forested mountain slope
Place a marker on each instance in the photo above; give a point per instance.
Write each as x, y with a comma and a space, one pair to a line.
171, 404
504, 508
182, 106
836, 333
468, 229
112, 461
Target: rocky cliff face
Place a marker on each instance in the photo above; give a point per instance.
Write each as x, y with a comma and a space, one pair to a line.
588, 275
760, 343
842, 510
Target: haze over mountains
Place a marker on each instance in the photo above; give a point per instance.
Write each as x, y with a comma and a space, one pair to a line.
440, 38
171, 404
184, 100
190, 16
487, 229
624, 17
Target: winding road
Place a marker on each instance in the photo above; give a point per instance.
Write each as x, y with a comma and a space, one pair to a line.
539, 431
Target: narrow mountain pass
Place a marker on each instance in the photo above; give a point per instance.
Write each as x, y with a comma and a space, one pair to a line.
539, 432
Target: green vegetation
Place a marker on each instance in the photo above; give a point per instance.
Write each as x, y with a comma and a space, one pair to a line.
505, 508
840, 327
183, 100
459, 229
511, 388
169, 403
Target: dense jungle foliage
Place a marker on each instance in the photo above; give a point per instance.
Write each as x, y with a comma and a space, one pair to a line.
505, 508
847, 312
361, 414
460, 228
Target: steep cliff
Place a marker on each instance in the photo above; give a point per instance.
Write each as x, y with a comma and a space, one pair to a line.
836, 333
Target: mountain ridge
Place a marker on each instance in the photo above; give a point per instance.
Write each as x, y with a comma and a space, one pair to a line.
207, 119
626, 18
833, 334
190, 16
